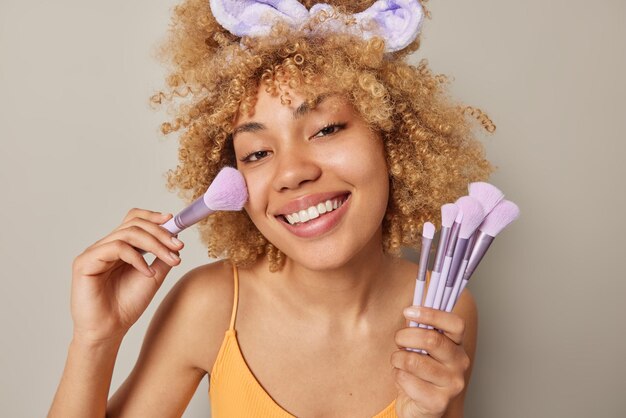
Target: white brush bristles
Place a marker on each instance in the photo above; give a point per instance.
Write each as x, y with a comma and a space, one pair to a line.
500, 217
473, 215
448, 214
428, 230
227, 191
487, 194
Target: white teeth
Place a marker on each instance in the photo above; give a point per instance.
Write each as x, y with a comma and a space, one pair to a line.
313, 212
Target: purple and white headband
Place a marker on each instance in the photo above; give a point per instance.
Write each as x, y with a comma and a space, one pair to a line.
397, 22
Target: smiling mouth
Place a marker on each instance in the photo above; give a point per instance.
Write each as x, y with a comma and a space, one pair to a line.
313, 212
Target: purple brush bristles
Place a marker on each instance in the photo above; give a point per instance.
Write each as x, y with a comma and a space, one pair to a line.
448, 214
499, 218
428, 231
473, 215
227, 191
487, 194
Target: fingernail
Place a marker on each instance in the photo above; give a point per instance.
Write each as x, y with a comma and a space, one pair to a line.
174, 256
411, 312
176, 241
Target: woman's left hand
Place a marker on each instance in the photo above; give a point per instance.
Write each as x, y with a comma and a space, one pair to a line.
427, 383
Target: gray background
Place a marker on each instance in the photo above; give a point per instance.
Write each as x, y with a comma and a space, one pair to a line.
80, 146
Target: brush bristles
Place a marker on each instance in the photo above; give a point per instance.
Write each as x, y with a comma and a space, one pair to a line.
448, 214
428, 231
500, 217
473, 215
227, 191
487, 194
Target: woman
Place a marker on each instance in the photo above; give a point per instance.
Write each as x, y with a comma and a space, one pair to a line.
346, 150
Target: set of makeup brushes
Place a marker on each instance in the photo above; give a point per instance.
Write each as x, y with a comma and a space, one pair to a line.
468, 227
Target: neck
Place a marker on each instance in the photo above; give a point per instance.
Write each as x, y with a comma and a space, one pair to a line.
338, 297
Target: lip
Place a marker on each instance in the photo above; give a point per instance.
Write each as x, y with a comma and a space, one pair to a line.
320, 225
307, 201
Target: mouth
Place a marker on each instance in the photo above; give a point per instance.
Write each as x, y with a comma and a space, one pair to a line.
315, 211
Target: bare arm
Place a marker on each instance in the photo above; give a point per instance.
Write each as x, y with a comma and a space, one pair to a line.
86, 379
111, 287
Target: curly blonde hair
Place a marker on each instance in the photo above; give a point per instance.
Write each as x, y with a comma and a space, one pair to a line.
429, 144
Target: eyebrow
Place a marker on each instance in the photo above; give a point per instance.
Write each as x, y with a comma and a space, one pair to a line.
302, 110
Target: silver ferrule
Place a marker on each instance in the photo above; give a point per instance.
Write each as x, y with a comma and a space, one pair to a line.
425, 252
193, 213
441, 249
481, 245
454, 234
470, 245
459, 252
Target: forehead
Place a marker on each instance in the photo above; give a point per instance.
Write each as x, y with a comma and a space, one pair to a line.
298, 103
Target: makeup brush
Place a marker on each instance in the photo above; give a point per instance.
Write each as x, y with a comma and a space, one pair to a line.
449, 212
487, 194
447, 260
428, 232
473, 215
227, 192
500, 217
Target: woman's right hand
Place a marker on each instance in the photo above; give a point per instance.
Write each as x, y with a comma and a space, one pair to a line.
112, 284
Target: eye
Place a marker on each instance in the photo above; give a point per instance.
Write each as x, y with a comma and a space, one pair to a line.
254, 156
330, 129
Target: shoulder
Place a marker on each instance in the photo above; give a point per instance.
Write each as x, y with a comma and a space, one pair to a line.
196, 312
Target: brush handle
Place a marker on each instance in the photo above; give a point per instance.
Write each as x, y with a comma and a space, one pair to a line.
432, 289
193, 213
457, 260
417, 297
430, 294
441, 248
417, 301
442, 282
456, 290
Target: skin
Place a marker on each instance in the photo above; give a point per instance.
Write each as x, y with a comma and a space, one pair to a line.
340, 286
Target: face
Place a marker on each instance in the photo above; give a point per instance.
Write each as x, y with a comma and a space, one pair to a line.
317, 178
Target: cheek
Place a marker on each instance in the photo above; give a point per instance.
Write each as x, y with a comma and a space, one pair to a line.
257, 196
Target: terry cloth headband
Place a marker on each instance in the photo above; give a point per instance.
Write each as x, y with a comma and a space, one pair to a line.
397, 22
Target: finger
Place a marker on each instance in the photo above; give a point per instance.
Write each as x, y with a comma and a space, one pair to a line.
161, 270
154, 217
143, 240
99, 259
452, 325
437, 345
149, 215
162, 234
422, 366
432, 401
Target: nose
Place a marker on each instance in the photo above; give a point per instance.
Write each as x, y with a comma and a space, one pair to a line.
295, 167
